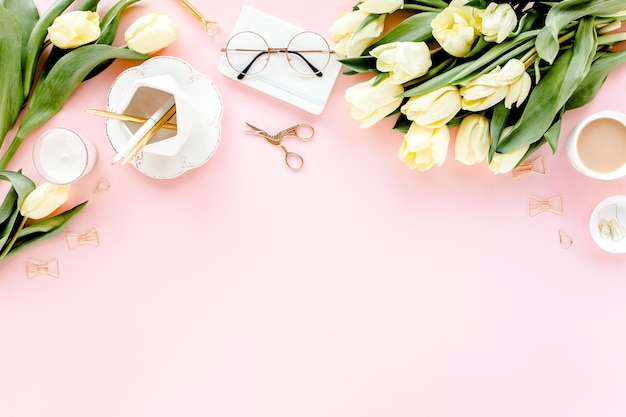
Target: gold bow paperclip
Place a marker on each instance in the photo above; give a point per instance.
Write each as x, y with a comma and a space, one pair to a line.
75, 240
35, 268
536, 166
537, 205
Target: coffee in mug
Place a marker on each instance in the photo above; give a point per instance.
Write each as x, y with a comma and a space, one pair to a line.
597, 145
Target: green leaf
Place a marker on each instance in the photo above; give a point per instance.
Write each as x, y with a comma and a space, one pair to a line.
36, 42
108, 30
43, 229
415, 28
496, 126
88, 6
21, 186
550, 95
600, 69
565, 12
360, 64
53, 92
553, 133
26, 13
11, 99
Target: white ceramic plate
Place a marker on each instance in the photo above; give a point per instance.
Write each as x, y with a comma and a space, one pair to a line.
611, 208
201, 144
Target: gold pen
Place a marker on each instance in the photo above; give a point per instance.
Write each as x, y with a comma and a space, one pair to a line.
127, 118
209, 25
149, 134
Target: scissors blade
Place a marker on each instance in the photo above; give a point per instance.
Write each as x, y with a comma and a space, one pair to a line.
255, 130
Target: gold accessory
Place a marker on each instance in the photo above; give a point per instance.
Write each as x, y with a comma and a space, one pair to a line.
301, 131
307, 53
210, 26
150, 133
536, 166
75, 240
36, 268
102, 186
565, 240
609, 226
127, 118
537, 205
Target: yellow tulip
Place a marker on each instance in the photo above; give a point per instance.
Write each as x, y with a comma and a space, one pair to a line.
381, 6
498, 21
73, 29
371, 103
150, 33
505, 162
433, 109
424, 147
455, 28
44, 200
472, 140
403, 61
349, 42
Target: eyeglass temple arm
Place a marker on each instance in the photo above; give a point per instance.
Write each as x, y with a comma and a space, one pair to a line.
244, 71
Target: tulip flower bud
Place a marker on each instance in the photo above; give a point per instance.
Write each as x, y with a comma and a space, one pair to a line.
403, 61
73, 29
433, 109
472, 140
381, 6
371, 103
44, 200
424, 147
455, 29
150, 33
498, 21
350, 41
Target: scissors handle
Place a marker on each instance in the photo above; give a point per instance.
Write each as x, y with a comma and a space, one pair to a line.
302, 131
292, 159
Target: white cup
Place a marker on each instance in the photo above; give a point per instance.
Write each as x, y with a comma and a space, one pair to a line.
61, 156
597, 145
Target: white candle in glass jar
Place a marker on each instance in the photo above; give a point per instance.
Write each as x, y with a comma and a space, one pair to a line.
61, 156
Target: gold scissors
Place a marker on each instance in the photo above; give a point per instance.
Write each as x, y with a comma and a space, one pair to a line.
302, 131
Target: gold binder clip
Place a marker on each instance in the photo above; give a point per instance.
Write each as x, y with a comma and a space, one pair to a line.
75, 240
102, 186
537, 205
536, 166
565, 240
36, 268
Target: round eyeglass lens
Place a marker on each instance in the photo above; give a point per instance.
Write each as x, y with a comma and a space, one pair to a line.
308, 53
247, 53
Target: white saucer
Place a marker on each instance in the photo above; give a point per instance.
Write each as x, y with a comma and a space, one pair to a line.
201, 144
613, 207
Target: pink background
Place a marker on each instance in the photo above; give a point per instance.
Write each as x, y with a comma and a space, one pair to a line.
357, 287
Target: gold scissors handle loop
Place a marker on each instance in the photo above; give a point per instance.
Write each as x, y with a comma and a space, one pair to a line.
302, 131
292, 159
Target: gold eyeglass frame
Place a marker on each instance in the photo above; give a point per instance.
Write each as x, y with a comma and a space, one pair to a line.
269, 50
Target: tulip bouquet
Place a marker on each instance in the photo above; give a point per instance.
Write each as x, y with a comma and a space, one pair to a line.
503, 73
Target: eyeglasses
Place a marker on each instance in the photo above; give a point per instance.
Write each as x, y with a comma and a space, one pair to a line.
308, 53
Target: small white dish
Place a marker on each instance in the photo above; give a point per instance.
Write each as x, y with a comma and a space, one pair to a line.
609, 213
200, 90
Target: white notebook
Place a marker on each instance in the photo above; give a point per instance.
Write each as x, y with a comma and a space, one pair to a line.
278, 79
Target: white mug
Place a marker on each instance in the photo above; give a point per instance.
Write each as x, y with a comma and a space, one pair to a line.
597, 145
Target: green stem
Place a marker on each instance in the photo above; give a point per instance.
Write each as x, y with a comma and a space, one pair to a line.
6, 158
7, 249
612, 38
